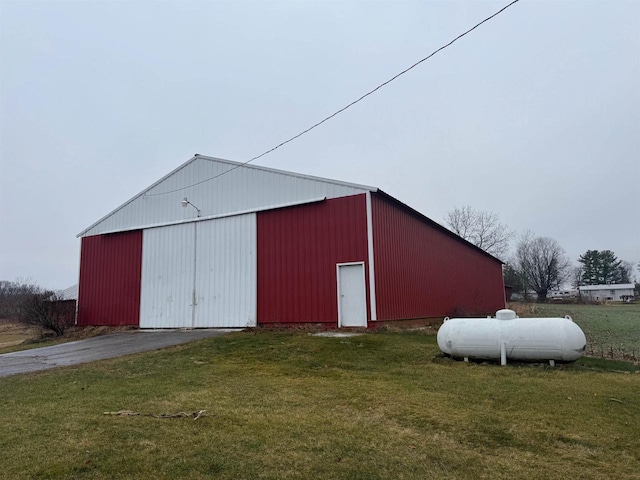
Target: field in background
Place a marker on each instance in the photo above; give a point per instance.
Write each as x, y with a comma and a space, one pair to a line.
290, 405
13, 333
612, 330
15, 336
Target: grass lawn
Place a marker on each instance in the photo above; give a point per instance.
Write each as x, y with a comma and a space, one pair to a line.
290, 405
608, 328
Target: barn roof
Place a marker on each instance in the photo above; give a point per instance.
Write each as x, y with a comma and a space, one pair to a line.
618, 286
70, 293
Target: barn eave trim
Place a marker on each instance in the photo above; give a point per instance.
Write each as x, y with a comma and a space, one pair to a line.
212, 217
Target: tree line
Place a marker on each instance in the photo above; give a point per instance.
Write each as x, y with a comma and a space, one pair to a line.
538, 264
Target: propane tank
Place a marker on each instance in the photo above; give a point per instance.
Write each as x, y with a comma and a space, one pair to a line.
509, 337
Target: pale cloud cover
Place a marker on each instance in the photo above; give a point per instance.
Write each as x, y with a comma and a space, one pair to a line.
534, 116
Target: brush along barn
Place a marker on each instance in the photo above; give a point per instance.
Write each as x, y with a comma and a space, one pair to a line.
260, 246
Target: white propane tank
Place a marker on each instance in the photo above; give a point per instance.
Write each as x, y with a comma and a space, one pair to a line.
509, 337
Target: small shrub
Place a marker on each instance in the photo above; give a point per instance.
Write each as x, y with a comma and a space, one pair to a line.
48, 311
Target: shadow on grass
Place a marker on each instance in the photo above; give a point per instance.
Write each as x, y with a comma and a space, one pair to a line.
584, 363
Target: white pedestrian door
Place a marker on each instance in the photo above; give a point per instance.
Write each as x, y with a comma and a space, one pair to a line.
352, 304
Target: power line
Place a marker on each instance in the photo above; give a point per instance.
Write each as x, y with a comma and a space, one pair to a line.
343, 108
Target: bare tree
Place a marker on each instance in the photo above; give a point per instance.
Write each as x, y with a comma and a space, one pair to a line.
47, 310
481, 228
542, 262
575, 275
14, 294
27, 302
626, 272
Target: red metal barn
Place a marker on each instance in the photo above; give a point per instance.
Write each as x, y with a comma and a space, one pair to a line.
267, 247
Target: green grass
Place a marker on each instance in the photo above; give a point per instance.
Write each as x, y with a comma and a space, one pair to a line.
613, 328
604, 364
290, 405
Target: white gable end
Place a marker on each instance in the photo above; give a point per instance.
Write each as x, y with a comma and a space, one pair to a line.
244, 188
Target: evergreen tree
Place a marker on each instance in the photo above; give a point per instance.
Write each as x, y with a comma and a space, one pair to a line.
590, 261
610, 266
602, 268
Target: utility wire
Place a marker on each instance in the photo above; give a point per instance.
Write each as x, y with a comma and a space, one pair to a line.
343, 108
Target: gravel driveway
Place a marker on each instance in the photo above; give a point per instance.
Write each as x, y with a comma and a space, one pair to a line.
97, 348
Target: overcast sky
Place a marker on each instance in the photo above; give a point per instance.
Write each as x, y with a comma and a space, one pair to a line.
534, 116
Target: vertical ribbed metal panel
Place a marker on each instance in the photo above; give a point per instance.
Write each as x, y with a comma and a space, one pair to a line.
167, 276
226, 272
242, 189
423, 272
109, 287
298, 249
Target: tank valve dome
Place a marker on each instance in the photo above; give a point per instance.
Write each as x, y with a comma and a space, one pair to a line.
505, 314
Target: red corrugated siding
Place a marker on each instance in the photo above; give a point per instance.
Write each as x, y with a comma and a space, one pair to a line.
298, 249
109, 290
423, 272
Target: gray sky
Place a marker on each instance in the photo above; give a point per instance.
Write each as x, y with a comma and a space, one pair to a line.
534, 116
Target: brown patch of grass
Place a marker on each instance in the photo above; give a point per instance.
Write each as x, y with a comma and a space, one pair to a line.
522, 309
15, 336
13, 333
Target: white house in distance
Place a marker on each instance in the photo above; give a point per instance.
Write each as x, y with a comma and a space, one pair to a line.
620, 292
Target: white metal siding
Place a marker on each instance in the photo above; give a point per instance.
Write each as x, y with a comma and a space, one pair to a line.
167, 276
244, 188
226, 272
604, 294
215, 260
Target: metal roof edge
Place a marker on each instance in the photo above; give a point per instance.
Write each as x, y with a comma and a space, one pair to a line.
435, 224
290, 174
192, 159
216, 216
605, 286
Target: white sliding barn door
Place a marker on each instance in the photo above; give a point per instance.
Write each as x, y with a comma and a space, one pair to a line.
200, 274
166, 291
226, 272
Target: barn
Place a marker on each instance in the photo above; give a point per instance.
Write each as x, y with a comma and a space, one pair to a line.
258, 246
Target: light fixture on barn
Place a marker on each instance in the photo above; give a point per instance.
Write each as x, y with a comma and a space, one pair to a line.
186, 202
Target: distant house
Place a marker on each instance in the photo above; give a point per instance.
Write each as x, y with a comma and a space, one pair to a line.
621, 292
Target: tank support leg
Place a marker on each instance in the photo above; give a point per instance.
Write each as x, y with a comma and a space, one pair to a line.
503, 353
466, 359
552, 363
